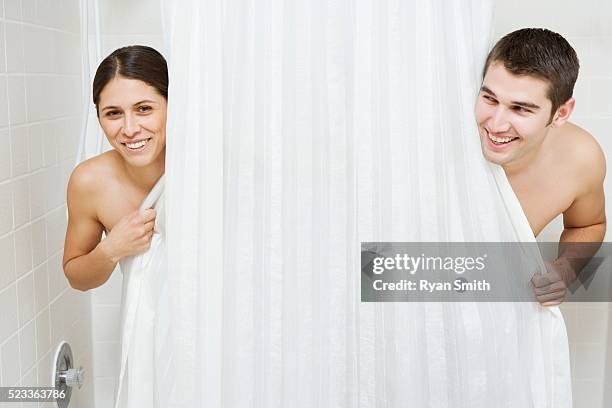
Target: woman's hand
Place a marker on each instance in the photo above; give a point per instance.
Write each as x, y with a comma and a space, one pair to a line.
130, 236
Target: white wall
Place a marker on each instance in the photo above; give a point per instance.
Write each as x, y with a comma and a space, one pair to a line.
40, 94
587, 25
122, 23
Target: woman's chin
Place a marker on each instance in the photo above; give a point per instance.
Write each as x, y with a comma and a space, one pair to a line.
137, 161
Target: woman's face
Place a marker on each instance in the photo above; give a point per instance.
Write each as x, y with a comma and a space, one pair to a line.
133, 117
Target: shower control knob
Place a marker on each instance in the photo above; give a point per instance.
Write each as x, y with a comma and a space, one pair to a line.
73, 377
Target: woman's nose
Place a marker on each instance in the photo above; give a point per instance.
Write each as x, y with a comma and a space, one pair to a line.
130, 126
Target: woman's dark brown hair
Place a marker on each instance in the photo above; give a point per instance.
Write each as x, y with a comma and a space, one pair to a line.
133, 62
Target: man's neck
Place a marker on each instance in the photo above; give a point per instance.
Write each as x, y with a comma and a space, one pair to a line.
523, 163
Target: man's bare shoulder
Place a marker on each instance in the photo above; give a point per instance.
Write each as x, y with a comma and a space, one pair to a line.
582, 152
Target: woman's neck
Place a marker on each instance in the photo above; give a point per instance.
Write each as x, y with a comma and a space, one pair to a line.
146, 177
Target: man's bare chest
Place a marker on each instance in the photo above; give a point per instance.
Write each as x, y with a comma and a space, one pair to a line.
542, 199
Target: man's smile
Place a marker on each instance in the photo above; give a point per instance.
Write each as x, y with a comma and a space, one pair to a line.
499, 142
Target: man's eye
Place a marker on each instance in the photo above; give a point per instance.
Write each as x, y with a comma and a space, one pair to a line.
489, 99
144, 108
521, 109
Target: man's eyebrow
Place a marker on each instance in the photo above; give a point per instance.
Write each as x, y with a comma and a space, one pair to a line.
487, 90
529, 105
137, 103
516, 103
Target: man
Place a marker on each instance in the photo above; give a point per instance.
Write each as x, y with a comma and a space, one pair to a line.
554, 166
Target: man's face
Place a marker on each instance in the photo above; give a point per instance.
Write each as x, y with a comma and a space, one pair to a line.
512, 113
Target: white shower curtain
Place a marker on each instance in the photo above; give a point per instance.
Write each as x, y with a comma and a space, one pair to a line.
298, 129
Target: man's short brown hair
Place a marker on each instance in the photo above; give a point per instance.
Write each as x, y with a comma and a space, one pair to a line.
540, 53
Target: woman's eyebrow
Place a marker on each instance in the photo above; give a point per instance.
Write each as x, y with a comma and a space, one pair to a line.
137, 103
144, 101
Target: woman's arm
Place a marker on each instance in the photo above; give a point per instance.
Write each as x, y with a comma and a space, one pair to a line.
87, 263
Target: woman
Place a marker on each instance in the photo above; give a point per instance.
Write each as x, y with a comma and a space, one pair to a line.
130, 91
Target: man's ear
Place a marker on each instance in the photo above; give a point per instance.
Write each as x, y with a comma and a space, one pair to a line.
563, 113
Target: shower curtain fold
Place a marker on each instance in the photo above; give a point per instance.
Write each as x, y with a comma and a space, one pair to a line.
144, 315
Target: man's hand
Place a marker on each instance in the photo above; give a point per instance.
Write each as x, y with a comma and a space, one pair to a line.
550, 288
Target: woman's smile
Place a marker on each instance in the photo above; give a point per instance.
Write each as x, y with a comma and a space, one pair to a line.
137, 146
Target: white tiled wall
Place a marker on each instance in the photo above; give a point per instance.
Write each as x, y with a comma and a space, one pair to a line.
122, 23
40, 98
587, 25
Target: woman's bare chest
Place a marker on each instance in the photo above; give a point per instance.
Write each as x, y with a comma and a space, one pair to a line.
118, 200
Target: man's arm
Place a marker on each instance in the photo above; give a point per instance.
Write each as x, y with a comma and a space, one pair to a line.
584, 229
585, 220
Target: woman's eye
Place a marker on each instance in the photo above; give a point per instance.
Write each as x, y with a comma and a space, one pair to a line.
112, 113
144, 108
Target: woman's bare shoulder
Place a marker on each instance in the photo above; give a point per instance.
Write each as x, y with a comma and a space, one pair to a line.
92, 173
91, 177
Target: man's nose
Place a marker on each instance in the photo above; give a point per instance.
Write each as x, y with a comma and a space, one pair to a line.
500, 121
130, 126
